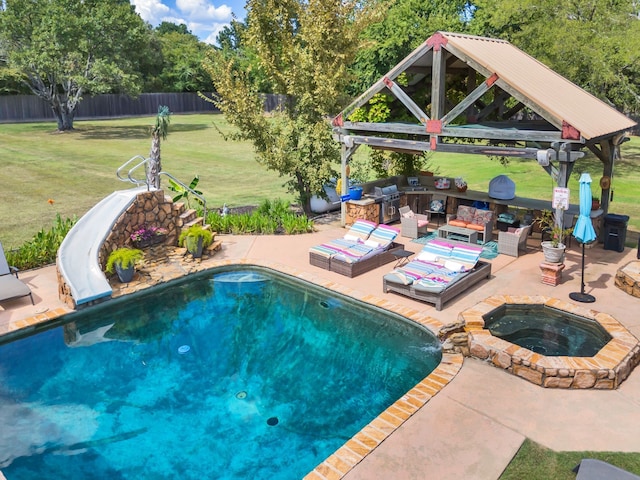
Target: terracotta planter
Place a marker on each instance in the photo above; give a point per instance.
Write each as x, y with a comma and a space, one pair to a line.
553, 254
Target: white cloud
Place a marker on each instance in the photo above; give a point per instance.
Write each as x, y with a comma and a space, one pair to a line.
152, 11
201, 17
202, 10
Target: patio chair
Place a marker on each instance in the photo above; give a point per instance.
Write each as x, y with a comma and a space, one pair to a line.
511, 242
10, 286
413, 224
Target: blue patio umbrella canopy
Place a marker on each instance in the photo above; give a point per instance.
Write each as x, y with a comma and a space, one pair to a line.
583, 231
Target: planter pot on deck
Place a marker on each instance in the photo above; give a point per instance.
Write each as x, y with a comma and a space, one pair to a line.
553, 254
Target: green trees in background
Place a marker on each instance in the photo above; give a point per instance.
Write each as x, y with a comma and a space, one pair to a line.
304, 49
65, 49
406, 24
179, 65
593, 43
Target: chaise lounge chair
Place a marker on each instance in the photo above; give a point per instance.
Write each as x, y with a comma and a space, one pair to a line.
353, 256
10, 286
441, 271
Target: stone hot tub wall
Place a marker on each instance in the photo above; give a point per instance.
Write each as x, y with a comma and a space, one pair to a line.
605, 370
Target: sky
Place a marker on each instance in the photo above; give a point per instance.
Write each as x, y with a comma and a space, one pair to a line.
203, 18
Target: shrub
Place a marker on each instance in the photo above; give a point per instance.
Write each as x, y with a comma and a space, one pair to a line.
42, 249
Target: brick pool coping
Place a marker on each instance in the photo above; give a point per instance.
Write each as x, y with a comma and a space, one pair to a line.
605, 370
171, 263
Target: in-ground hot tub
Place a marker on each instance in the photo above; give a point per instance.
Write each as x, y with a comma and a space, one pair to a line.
551, 343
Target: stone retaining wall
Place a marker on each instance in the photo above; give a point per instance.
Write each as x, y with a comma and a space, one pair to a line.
150, 208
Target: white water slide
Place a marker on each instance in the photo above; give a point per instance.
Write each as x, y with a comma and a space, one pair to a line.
78, 253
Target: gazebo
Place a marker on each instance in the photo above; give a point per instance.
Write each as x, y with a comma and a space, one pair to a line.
487, 97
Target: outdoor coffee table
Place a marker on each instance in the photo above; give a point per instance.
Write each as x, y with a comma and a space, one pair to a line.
458, 233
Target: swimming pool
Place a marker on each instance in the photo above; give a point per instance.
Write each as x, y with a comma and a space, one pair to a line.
230, 374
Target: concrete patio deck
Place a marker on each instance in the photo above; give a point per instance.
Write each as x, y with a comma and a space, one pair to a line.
472, 428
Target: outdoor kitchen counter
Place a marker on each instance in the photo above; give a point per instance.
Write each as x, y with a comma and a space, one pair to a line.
363, 201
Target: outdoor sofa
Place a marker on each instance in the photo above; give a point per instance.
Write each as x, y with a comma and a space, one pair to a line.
442, 270
364, 247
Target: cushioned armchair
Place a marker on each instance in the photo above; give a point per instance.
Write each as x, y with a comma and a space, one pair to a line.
513, 241
413, 224
474, 219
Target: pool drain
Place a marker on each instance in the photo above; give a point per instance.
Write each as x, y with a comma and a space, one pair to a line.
324, 304
241, 395
182, 349
273, 421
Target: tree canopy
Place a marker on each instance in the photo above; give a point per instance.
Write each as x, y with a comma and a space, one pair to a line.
64, 49
304, 49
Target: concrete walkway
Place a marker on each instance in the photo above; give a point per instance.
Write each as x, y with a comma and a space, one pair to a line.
474, 426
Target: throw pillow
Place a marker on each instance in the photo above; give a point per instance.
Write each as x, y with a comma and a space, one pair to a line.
437, 206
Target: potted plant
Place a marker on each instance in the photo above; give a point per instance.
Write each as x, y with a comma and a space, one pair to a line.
595, 203
195, 239
147, 235
553, 249
123, 261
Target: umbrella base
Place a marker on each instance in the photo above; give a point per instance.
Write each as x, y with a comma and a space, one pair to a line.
582, 297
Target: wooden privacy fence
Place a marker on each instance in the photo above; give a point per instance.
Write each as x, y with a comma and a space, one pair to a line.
29, 108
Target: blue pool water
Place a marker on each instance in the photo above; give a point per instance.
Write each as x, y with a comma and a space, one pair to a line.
240, 374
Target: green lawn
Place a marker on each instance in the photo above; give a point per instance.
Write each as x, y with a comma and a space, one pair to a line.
534, 462
78, 169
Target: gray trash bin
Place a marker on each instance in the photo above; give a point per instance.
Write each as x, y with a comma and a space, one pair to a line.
615, 231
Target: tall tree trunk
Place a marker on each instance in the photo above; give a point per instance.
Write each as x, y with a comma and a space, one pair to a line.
154, 166
64, 117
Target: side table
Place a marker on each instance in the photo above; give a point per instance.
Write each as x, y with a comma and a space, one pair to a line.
402, 256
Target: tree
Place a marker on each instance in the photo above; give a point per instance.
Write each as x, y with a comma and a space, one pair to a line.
407, 24
304, 48
158, 132
593, 43
182, 57
65, 49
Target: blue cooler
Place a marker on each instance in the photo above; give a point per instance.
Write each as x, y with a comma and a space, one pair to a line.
355, 193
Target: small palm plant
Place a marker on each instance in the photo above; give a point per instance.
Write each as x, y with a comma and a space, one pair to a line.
159, 131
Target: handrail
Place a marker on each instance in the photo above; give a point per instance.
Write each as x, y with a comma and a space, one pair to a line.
129, 173
144, 161
191, 190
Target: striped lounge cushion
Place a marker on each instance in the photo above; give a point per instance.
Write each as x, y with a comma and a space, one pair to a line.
437, 281
438, 248
384, 234
332, 247
409, 273
361, 229
467, 255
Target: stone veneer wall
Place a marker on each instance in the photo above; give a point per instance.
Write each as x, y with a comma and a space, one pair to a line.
605, 370
150, 208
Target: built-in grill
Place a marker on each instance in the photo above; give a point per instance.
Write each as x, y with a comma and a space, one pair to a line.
389, 199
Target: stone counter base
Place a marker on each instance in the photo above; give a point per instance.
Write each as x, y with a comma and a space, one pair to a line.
606, 370
628, 278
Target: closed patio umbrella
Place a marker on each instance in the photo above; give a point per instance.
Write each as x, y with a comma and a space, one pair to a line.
584, 233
